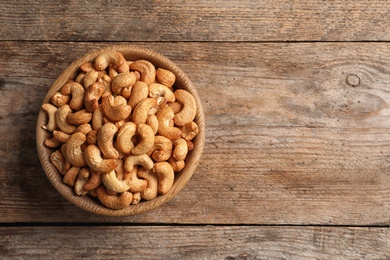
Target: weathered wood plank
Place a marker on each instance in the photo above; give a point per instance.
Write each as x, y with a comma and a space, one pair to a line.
296, 134
194, 242
247, 20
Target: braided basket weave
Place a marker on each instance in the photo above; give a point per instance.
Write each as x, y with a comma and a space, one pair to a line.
92, 204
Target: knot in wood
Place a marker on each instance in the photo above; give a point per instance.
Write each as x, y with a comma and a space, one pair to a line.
353, 80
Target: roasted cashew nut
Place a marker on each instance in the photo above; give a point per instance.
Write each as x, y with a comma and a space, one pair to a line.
188, 112
123, 81
142, 160
108, 58
164, 117
82, 178
115, 109
123, 138
144, 108
151, 190
95, 161
146, 69
152, 122
105, 141
159, 90
93, 182
135, 184
84, 128
112, 183
189, 131
139, 92
72, 149
180, 149
165, 175
147, 140
51, 121
70, 176
80, 117
59, 100
162, 148
165, 77
90, 78
97, 118
76, 91
92, 96
120, 201
59, 162
177, 166
61, 116
52, 142
61, 136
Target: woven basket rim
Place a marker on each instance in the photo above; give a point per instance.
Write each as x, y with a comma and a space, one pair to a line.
130, 52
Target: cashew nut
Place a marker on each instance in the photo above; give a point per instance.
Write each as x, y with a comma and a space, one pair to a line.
95, 161
152, 122
58, 99
188, 112
120, 201
135, 184
112, 183
52, 142
189, 131
165, 175
176, 106
165, 77
61, 119
164, 117
143, 160
61, 136
144, 108
180, 149
92, 96
51, 111
90, 78
162, 148
97, 118
80, 117
123, 139
58, 160
159, 90
87, 67
123, 80
105, 141
72, 149
84, 128
146, 69
115, 58
151, 190
92, 137
80, 78
107, 81
93, 182
147, 139
139, 91
136, 198
77, 91
177, 166
70, 176
81, 179
115, 109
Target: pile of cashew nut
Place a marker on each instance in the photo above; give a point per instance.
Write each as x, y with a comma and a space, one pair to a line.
119, 131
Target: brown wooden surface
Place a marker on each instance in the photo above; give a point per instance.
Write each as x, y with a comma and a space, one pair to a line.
296, 162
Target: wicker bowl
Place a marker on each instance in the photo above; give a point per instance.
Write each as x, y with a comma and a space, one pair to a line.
90, 203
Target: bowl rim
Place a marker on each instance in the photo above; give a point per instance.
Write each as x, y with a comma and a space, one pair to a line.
87, 202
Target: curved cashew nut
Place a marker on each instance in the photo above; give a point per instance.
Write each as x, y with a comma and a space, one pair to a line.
165, 77
95, 161
87, 67
139, 91
135, 184
164, 117
136, 198
72, 149
84, 128
70, 176
114, 201
51, 122
159, 90
165, 175
82, 178
80, 117
180, 149
80, 78
189, 131
92, 96
61, 136
105, 140
176, 106
58, 99
112, 183
146, 69
147, 140
61, 119
92, 137
123, 80
58, 160
188, 112
144, 108
76, 91
123, 138
52, 142
162, 148
90, 78
177, 166
151, 190
97, 118
152, 122
115, 109
143, 160
93, 182
115, 58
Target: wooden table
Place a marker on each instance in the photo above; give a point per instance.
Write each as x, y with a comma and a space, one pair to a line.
297, 103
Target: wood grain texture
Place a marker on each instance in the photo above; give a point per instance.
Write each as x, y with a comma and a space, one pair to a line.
152, 20
193, 242
292, 136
